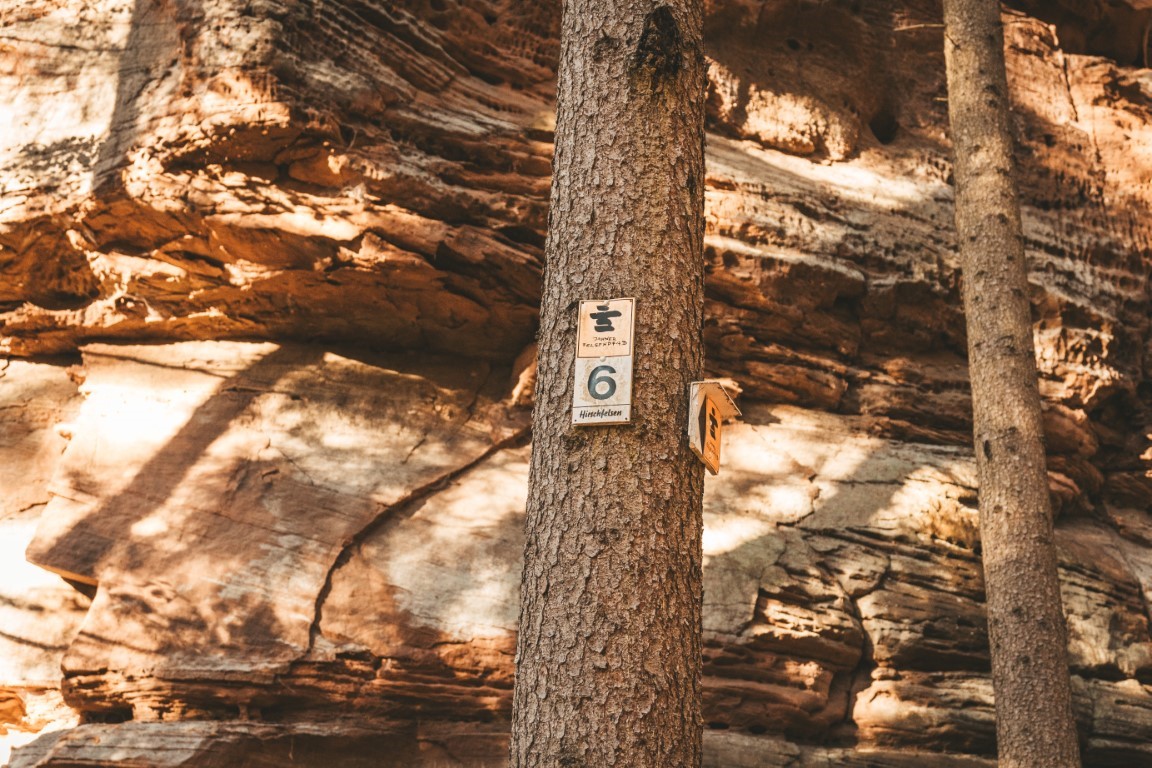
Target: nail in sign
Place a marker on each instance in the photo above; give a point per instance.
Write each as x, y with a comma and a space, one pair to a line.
602, 391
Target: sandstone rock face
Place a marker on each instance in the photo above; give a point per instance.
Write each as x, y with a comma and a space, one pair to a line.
39, 614
290, 255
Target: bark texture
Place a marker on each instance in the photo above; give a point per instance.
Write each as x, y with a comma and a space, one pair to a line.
1027, 634
609, 650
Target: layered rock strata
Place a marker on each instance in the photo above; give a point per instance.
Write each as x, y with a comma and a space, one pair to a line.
39, 614
292, 251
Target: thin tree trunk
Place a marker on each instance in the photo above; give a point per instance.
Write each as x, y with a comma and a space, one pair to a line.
608, 660
1034, 722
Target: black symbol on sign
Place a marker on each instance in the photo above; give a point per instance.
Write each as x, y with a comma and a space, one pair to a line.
604, 317
701, 427
713, 424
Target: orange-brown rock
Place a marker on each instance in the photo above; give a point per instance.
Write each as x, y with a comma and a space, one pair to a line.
39, 614
288, 258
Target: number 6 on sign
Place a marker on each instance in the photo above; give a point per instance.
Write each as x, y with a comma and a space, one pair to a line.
597, 378
603, 391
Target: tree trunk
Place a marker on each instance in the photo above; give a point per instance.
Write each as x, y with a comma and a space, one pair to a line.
1034, 723
608, 660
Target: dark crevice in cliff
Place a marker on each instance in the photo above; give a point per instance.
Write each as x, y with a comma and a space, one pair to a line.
1114, 30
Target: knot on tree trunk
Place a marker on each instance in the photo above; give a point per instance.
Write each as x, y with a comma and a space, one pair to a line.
659, 55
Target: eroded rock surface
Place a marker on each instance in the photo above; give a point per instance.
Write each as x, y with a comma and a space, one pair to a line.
361, 555
294, 252
39, 613
213, 491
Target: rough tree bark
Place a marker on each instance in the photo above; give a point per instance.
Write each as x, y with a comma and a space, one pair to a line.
608, 661
1034, 722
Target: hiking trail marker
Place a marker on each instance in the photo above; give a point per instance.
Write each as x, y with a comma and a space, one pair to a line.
603, 385
708, 407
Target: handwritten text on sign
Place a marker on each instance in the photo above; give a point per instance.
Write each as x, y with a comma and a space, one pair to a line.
602, 391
